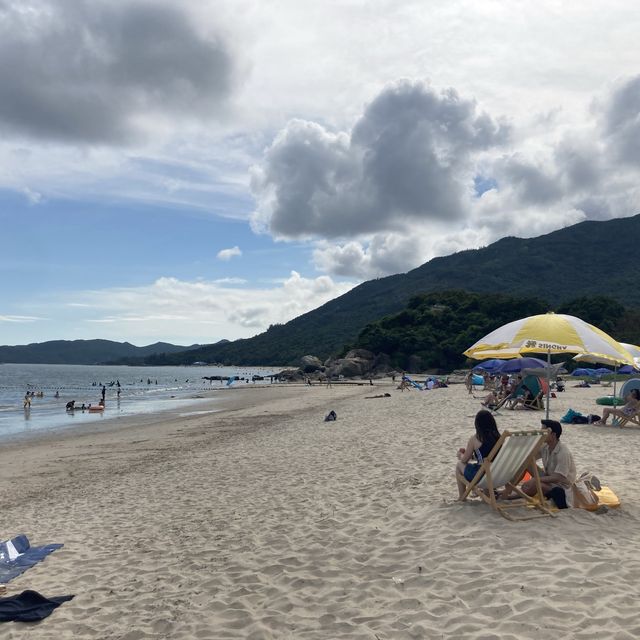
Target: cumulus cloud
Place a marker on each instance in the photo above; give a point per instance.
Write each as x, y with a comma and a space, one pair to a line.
403, 187
97, 71
12, 318
384, 254
621, 121
227, 254
407, 159
201, 311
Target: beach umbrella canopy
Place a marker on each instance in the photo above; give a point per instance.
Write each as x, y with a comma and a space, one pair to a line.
490, 365
634, 350
583, 372
611, 361
518, 364
627, 369
549, 333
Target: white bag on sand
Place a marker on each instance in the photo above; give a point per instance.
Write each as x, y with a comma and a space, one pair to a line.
584, 497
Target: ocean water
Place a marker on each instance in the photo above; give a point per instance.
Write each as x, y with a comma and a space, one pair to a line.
142, 390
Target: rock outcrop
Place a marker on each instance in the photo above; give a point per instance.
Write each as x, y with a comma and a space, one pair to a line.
309, 364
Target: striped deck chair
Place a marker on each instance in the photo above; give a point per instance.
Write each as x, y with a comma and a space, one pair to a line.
627, 421
537, 386
512, 455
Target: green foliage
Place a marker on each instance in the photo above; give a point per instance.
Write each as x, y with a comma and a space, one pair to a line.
439, 327
599, 311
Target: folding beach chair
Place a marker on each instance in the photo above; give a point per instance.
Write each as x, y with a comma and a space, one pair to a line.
627, 421
537, 386
513, 454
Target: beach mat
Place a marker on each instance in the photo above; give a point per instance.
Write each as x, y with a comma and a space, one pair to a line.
17, 555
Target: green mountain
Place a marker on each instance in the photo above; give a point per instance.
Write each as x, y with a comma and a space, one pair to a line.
585, 259
83, 351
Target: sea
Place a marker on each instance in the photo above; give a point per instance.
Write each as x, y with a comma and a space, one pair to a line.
142, 390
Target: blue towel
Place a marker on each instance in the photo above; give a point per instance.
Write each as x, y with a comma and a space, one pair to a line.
17, 555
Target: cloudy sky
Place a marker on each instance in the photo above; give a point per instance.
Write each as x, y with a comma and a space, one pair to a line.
196, 170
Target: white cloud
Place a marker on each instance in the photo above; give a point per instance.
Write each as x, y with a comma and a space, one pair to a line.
19, 319
227, 254
33, 197
407, 160
423, 173
199, 311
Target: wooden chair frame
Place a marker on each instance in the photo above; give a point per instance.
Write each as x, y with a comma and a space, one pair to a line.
485, 484
627, 421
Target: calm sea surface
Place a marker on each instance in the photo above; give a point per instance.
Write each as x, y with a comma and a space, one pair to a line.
142, 390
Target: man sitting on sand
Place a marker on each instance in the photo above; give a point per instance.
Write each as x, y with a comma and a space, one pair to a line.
559, 470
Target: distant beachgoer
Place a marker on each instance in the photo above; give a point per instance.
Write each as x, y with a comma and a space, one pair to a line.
27, 400
71, 405
101, 403
468, 382
104, 391
57, 394
83, 407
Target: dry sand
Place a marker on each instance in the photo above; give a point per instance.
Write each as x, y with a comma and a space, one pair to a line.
263, 521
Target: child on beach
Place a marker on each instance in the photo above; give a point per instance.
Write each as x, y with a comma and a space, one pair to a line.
478, 447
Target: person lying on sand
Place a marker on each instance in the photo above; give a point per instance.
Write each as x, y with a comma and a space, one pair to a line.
383, 395
478, 447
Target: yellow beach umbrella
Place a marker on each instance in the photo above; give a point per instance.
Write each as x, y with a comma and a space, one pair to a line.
548, 333
634, 350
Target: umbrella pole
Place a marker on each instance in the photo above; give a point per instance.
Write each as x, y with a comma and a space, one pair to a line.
615, 379
548, 380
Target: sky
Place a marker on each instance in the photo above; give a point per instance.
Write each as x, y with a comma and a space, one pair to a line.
192, 171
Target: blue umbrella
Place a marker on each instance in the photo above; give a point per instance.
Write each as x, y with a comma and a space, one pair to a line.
627, 369
603, 371
583, 372
518, 364
491, 366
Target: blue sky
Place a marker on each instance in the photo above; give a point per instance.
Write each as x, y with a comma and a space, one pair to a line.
195, 171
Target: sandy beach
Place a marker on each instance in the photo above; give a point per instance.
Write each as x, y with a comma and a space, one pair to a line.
263, 521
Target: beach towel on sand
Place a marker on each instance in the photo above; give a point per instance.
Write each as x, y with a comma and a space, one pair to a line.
17, 555
29, 606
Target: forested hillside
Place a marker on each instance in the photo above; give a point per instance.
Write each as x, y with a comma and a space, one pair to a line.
81, 351
434, 329
581, 260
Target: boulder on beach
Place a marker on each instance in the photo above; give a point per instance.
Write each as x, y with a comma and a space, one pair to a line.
309, 364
